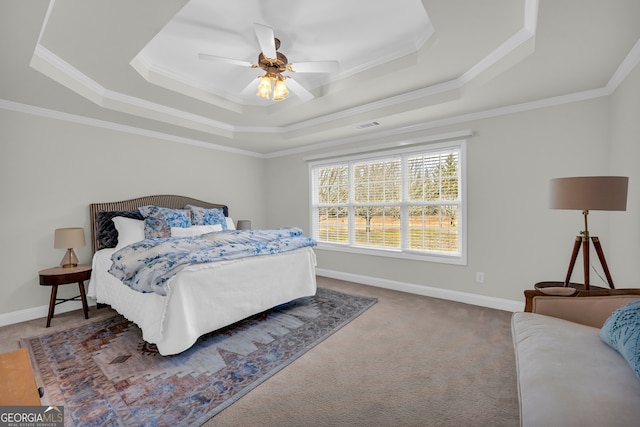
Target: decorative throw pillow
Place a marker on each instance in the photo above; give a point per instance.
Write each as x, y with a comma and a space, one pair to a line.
622, 332
158, 221
194, 230
130, 231
204, 216
106, 233
230, 224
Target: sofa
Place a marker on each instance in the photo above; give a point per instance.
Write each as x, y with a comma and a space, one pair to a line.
567, 375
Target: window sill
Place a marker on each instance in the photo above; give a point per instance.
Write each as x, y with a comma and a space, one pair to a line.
390, 253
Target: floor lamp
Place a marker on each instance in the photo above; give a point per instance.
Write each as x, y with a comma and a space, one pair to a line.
605, 193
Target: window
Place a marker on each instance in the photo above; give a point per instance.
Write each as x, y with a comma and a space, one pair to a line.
407, 203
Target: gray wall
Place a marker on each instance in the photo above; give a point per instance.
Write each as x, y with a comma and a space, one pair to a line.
512, 236
51, 170
623, 252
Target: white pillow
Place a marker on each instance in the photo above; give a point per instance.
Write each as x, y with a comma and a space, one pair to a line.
194, 230
129, 231
230, 224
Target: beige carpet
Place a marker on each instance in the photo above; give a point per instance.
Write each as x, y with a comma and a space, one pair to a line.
407, 361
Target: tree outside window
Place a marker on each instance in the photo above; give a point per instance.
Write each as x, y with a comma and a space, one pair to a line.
405, 201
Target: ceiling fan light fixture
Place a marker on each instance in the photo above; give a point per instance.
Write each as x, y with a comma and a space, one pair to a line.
280, 90
274, 63
264, 88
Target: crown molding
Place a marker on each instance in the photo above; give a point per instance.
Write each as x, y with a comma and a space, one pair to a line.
88, 121
161, 76
626, 66
41, 54
479, 115
59, 70
454, 120
64, 73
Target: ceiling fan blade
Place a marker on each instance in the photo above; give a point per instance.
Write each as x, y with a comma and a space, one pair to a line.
298, 90
251, 88
207, 57
266, 40
316, 67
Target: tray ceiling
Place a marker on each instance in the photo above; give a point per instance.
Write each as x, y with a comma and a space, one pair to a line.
402, 64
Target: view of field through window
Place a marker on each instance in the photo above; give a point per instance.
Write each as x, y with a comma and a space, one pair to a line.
402, 202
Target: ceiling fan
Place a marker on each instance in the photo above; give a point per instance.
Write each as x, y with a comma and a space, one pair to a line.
274, 63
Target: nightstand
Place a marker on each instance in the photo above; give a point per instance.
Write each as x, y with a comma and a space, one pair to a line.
62, 276
578, 286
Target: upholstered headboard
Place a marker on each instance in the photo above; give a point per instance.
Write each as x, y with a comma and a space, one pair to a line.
165, 201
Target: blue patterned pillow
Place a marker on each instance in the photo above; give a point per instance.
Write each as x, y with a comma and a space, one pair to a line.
622, 332
204, 216
158, 221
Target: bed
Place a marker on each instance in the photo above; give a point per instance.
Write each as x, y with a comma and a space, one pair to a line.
200, 298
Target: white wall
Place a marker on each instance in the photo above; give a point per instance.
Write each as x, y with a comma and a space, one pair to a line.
51, 170
623, 250
512, 235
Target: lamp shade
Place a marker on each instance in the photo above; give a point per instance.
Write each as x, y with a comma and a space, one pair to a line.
66, 238
243, 224
604, 193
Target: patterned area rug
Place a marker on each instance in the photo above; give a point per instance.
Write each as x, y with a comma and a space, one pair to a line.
103, 373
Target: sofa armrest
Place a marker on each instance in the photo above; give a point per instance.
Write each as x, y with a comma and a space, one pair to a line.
590, 308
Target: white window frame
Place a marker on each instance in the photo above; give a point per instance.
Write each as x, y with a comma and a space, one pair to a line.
403, 252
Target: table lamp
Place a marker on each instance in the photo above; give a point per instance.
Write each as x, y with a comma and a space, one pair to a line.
69, 238
604, 193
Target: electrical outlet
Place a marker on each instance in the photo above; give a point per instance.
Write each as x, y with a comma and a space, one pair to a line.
480, 277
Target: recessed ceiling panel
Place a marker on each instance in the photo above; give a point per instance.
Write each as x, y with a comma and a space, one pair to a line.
358, 34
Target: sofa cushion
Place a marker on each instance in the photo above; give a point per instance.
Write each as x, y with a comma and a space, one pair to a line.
567, 376
622, 332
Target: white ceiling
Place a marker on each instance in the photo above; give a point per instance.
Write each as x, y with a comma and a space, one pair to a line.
406, 64
355, 41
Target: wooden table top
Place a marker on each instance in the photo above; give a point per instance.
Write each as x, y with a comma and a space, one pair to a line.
54, 271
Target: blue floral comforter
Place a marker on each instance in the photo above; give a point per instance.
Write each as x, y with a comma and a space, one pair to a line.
148, 265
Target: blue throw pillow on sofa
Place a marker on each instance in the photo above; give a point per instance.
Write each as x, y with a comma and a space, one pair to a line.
622, 332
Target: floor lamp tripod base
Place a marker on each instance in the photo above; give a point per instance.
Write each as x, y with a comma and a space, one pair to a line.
584, 242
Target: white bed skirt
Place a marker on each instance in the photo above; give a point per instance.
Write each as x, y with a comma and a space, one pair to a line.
206, 297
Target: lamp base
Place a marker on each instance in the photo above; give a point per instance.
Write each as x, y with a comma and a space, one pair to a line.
69, 260
584, 242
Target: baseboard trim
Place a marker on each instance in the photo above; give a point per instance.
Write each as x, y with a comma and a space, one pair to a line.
38, 312
428, 291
